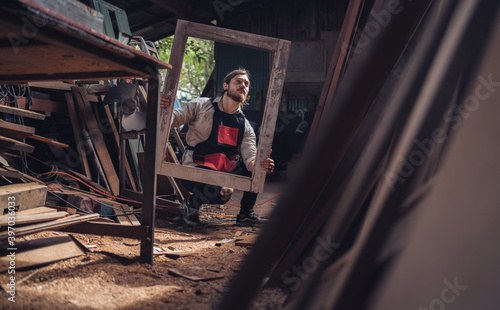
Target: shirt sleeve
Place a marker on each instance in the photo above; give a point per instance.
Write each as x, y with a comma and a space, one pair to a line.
248, 144
185, 113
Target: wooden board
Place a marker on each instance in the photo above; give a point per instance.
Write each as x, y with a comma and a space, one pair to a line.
21, 112
52, 85
14, 145
48, 106
23, 219
56, 224
77, 132
48, 141
19, 174
123, 161
24, 195
14, 130
97, 138
40, 252
123, 218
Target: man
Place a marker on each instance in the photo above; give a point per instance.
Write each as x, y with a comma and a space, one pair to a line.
219, 138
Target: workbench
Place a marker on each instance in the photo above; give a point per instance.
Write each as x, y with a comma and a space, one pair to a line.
38, 43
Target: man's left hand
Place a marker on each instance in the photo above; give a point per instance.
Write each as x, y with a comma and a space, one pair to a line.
267, 165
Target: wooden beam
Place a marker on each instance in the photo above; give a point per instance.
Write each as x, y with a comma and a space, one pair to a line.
77, 132
39, 252
206, 176
24, 195
338, 62
11, 144
122, 216
23, 219
97, 138
48, 106
52, 85
110, 229
123, 161
56, 224
14, 130
21, 112
47, 140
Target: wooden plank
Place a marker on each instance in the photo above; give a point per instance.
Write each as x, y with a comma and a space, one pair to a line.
56, 224
123, 218
206, 176
178, 140
23, 219
271, 110
47, 140
75, 124
229, 36
131, 217
14, 130
97, 138
340, 53
48, 106
10, 174
21, 112
120, 215
37, 210
40, 252
11, 144
24, 195
24, 176
58, 85
123, 160
110, 229
170, 87
246, 240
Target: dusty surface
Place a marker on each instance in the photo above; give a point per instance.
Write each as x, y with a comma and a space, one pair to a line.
110, 276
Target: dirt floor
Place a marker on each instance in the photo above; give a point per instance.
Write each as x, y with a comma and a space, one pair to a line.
110, 276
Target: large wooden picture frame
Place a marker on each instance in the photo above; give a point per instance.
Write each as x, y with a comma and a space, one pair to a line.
279, 50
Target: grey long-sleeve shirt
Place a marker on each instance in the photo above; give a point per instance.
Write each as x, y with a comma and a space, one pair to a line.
198, 114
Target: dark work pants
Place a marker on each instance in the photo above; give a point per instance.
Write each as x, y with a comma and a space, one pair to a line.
210, 194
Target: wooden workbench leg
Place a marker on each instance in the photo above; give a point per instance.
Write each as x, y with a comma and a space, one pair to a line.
150, 164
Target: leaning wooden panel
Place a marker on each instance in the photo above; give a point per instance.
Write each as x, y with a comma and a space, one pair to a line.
279, 50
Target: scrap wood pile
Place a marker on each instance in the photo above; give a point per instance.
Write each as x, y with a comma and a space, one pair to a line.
59, 159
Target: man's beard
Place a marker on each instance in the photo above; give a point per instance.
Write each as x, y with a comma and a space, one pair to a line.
236, 96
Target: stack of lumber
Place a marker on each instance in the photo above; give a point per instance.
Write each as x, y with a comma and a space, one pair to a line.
32, 107
41, 219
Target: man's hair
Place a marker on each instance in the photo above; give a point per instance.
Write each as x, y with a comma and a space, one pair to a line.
234, 73
231, 75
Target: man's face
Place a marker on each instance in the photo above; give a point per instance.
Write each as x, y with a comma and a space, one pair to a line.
238, 88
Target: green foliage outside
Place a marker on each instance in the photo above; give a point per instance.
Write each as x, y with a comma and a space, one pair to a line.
198, 65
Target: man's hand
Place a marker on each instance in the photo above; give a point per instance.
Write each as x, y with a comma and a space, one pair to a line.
267, 165
164, 101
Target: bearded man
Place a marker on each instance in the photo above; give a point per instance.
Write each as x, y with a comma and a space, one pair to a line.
219, 138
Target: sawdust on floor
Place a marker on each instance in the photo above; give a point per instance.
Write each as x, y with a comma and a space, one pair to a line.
110, 276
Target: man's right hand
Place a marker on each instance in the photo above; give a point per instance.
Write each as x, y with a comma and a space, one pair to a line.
164, 101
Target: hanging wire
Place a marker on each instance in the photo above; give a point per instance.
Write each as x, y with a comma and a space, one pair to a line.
14, 91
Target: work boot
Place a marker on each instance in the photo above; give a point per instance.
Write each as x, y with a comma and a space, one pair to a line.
190, 215
250, 217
